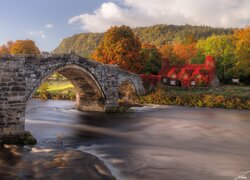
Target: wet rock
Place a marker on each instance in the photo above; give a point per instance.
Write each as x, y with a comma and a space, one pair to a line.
42, 165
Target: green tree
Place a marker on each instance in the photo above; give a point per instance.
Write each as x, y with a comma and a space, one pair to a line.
222, 48
199, 58
120, 46
152, 58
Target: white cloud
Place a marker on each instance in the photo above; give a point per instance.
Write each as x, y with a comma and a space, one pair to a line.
37, 33
226, 13
49, 26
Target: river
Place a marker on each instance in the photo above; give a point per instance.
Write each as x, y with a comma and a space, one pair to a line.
151, 142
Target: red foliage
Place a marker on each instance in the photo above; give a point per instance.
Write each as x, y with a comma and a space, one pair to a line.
151, 80
184, 77
173, 73
202, 74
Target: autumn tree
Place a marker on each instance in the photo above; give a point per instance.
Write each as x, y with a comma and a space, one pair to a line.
222, 48
242, 52
184, 52
5, 49
167, 53
24, 47
120, 46
152, 59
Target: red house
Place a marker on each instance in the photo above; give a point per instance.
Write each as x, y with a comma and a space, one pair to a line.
187, 75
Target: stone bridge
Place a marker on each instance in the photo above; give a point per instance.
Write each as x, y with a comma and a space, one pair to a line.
99, 87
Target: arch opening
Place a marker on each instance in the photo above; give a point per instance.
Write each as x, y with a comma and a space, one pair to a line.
127, 91
89, 94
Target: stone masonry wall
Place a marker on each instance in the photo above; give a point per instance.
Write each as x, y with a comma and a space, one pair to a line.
12, 97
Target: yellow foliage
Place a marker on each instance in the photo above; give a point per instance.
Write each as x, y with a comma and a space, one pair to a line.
24, 47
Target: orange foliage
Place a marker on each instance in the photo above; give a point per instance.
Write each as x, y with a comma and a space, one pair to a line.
24, 47
5, 49
120, 46
179, 53
242, 52
185, 51
167, 51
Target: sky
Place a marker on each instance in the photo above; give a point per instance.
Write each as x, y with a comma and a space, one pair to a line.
47, 22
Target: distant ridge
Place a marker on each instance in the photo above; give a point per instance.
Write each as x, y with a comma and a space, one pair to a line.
85, 43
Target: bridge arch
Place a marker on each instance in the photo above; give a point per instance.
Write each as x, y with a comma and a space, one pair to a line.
89, 93
127, 90
97, 86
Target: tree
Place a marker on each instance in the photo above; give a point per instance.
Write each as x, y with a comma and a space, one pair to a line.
222, 48
85, 43
199, 58
184, 52
24, 47
242, 52
120, 46
167, 53
5, 49
152, 58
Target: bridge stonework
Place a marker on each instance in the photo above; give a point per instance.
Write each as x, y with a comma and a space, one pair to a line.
96, 85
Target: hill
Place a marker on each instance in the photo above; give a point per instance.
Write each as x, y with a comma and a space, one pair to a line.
85, 43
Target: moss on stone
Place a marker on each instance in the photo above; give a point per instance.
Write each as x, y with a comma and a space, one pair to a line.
18, 139
29, 139
120, 109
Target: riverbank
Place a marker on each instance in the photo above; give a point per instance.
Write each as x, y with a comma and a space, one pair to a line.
230, 97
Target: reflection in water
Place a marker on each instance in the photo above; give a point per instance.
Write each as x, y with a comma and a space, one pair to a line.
153, 142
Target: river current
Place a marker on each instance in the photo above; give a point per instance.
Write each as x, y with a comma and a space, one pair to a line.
152, 142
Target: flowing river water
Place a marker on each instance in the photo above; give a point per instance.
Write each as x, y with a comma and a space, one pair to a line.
149, 143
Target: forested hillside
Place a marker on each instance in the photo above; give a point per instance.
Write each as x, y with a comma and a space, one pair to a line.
81, 44
84, 44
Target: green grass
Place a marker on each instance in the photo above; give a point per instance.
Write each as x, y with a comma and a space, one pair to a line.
58, 90
59, 86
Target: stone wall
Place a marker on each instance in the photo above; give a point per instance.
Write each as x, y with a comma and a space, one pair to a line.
12, 96
96, 84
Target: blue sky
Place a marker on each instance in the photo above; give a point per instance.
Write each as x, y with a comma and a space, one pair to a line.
47, 22
27, 19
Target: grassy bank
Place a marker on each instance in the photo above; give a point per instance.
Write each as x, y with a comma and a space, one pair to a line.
57, 90
235, 97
